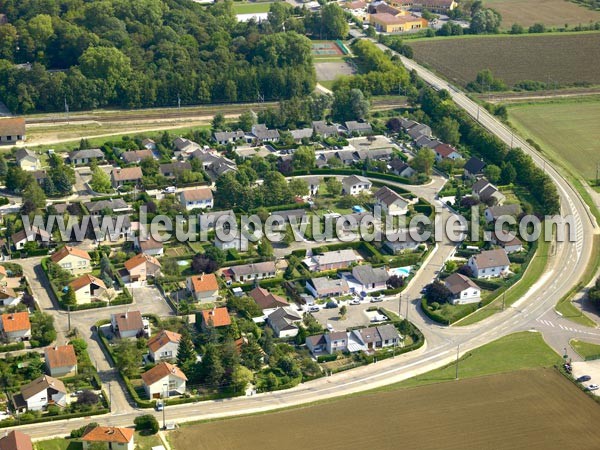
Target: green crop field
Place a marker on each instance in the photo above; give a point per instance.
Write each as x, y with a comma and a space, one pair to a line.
567, 130
251, 7
552, 13
566, 59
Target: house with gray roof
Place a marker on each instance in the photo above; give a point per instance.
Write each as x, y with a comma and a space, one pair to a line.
473, 167
360, 128
302, 133
116, 205
487, 192
284, 322
327, 287
228, 137
333, 260
324, 130
463, 289
355, 184
391, 202
263, 134
85, 157
494, 212
489, 264
370, 279
250, 272
172, 170
365, 339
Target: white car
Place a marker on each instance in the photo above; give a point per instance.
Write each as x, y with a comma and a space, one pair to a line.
169, 190
314, 309
592, 387
354, 301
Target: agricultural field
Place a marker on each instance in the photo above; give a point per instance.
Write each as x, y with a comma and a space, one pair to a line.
567, 129
552, 13
566, 59
536, 409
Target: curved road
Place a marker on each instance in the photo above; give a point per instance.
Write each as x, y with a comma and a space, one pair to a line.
563, 272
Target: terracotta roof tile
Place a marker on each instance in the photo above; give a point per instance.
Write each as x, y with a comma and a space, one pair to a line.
15, 440
218, 316
140, 259
161, 371
60, 356
108, 434
162, 339
84, 280
18, 321
66, 250
204, 283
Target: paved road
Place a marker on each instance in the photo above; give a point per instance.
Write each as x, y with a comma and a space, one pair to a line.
533, 312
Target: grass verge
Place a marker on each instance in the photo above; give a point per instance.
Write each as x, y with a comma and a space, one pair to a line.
586, 350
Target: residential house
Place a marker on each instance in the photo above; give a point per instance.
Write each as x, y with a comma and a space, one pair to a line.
333, 260
127, 175
15, 326
355, 184
313, 185
494, 212
85, 157
464, 290
508, 241
369, 278
316, 344
388, 23
416, 130
216, 317
228, 137
473, 167
487, 192
14, 439
174, 169
359, 128
164, 345
111, 206
327, 287
112, 228
39, 176
263, 134
390, 202
382, 7
284, 322
366, 339
128, 324
197, 198
489, 263
87, 288
136, 156
141, 267
404, 239
267, 300
336, 341
61, 360
374, 338
401, 168
185, 146
41, 393
164, 380
149, 246
73, 259
250, 272
27, 159
445, 151
209, 220
149, 144
346, 157
303, 133
376, 154
426, 142
324, 130
8, 296
203, 287
20, 238
228, 244
112, 438
12, 130
214, 164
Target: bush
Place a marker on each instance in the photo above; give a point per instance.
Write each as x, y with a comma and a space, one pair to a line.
147, 423
326, 358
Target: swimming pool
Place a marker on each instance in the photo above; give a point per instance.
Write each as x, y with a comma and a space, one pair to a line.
400, 271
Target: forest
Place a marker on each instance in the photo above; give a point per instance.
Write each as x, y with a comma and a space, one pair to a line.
144, 53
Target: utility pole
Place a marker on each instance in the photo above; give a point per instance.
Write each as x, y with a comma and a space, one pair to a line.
178, 102
457, 353
503, 299
407, 305
109, 396
400, 305
69, 316
164, 404
67, 109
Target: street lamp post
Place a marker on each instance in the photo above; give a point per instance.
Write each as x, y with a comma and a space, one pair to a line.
457, 353
164, 404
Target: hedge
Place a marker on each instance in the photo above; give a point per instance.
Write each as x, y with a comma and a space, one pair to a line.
14, 422
327, 358
369, 174
12, 347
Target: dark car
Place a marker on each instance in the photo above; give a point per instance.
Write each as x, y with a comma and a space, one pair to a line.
332, 304
583, 378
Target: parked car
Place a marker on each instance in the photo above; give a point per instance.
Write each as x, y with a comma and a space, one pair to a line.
314, 309
354, 301
583, 378
159, 406
330, 327
379, 296
331, 304
592, 387
169, 190
376, 299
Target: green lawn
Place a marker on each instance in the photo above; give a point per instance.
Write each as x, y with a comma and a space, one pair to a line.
567, 130
525, 350
58, 444
586, 350
251, 7
146, 442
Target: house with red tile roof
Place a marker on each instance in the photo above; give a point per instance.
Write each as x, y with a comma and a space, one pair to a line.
164, 380
15, 440
60, 360
114, 438
16, 326
216, 317
73, 259
140, 267
204, 287
164, 345
87, 288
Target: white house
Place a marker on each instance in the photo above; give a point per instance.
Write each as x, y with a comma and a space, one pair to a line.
326, 287
164, 345
61, 360
87, 288
128, 324
464, 290
489, 263
164, 380
86, 156
40, 393
508, 241
370, 279
28, 160
250, 272
391, 203
203, 287
494, 212
113, 438
73, 259
445, 151
16, 326
355, 184
284, 322
8, 296
197, 198
333, 260
487, 192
